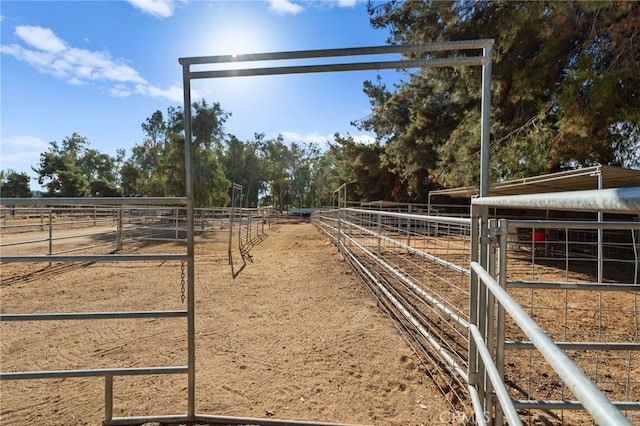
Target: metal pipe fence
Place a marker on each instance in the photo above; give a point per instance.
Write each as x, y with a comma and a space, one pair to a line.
132, 207
540, 329
132, 224
16, 219
111, 227
586, 304
413, 265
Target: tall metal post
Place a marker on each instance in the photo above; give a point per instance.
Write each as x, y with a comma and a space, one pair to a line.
50, 233
119, 229
479, 228
108, 398
485, 113
503, 235
231, 219
485, 145
188, 160
489, 332
600, 236
473, 300
340, 213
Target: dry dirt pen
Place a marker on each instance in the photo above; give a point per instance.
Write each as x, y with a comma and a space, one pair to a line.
278, 377
293, 336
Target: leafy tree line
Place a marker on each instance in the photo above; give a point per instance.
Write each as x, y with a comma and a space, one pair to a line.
14, 184
565, 94
565, 91
270, 171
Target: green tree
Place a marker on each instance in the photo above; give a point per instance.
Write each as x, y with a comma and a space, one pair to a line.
324, 179
301, 157
71, 169
242, 164
157, 168
564, 92
59, 170
277, 160
14, 184
255, 175
362, 167
142, 174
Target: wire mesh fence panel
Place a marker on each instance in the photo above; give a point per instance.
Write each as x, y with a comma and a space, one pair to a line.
415, 265
588, 304
412, 265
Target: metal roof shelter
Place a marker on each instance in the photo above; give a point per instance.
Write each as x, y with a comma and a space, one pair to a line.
595, 177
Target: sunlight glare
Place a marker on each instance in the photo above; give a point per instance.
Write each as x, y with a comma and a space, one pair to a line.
236, 38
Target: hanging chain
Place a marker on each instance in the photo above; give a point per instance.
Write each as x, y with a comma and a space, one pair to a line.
182, 289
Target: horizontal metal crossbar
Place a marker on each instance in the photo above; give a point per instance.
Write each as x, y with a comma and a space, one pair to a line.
333, 53
572, 286
412, 216
92, 315
573, 224
93, 258
358, 66
209, 419
568, 405
79, 201
585, 346
100, 372
617, 200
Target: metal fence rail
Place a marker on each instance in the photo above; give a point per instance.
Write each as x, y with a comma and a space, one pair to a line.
112, 227
590, 311
107, 373
16, 219
479, 327
413, 265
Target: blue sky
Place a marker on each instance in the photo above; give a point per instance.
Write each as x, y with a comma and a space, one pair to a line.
101, 68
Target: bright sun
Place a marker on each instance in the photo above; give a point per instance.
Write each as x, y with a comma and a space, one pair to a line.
237, 37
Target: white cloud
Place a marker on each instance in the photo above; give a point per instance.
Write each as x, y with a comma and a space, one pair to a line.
41, 38
308, 138
157, 8
17, 160
26, 141
322, 140
20, 152
283, 7
173, 93
51, 55
347, 3
364, 139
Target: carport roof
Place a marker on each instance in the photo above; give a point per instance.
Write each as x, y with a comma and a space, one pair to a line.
571, 180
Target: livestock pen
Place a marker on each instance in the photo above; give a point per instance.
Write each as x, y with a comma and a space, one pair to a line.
475, 303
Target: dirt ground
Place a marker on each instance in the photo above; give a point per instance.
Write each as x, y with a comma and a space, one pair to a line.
295, 335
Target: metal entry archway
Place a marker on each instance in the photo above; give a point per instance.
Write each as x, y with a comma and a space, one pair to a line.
482, 58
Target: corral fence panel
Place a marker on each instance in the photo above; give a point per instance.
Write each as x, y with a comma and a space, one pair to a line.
139, 214
542, 330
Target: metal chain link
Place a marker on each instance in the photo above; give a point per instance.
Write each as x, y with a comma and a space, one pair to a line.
182, 289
